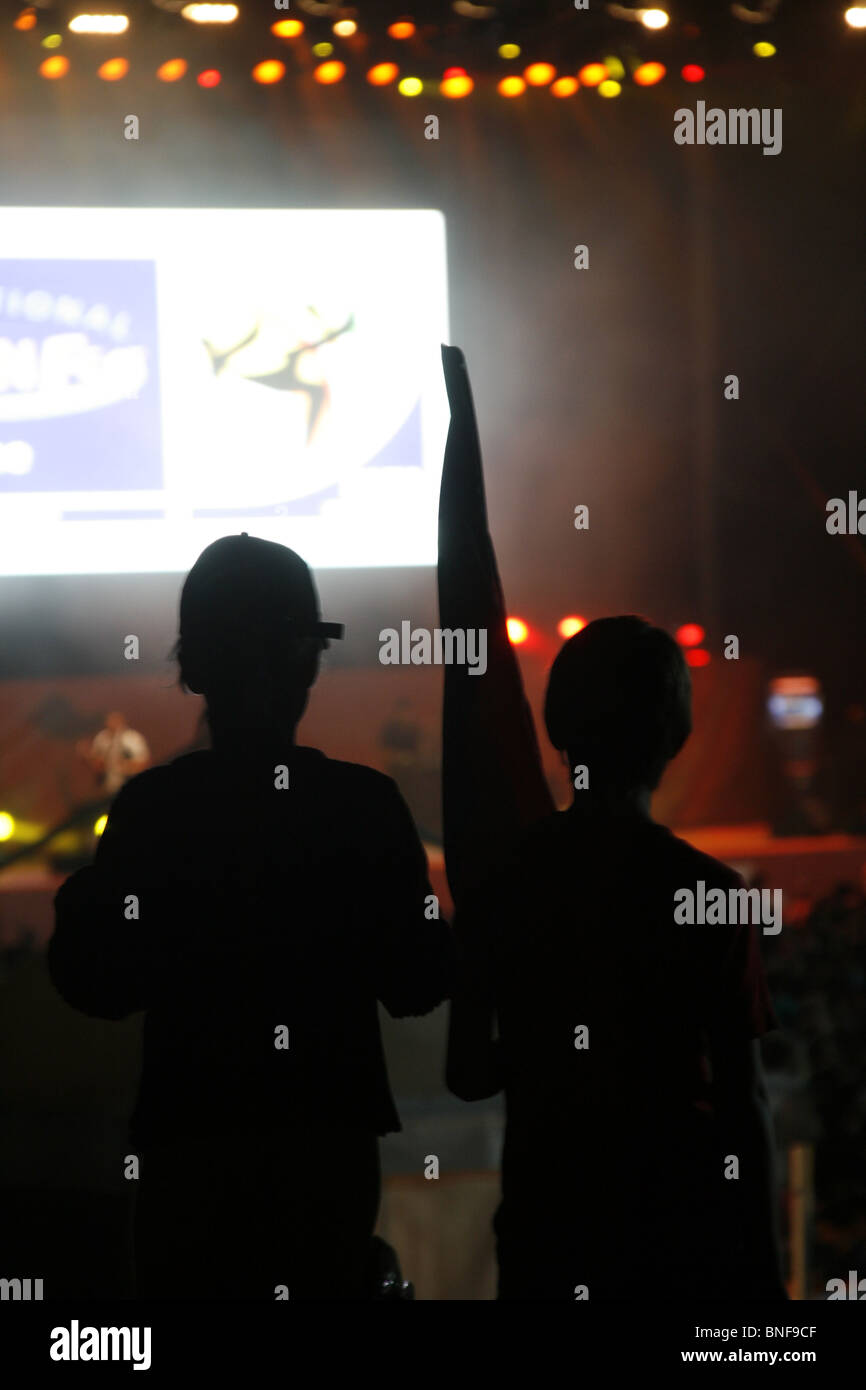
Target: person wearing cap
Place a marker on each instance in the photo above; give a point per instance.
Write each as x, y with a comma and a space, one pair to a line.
255, 900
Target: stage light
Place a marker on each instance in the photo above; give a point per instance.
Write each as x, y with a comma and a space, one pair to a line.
323, 50
539, 74
402, 29
567, 627
615, 68
698, 656
458, 85
511, 87
99, 24
509, 50
209, 78
287, 28
690, 635
655, 19
592, 74
7, 825
692, 72
609, 88
26, 20
795, 685
172, 71
795, 702
763, 50
856, 16
329, 73
52, 41
99, 824
410, 86
345, 28
210, 14
113, 69
382, 74
648, 74
517, 631
268, 71
55, 67
564, 86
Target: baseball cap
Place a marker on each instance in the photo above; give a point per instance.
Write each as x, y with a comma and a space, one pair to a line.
242, 583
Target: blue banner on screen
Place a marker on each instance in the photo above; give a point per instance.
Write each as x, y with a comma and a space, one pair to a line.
177, 375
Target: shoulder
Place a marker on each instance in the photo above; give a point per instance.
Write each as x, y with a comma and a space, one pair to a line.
654, 853
142, 792
352, 790
540, 841
309, 763
353, 779
369, 804
692, 864
520, 862
154, 782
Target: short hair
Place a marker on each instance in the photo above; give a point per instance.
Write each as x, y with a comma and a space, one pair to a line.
619, 701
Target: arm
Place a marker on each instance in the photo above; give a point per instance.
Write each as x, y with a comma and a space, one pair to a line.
739, 1011
102, 959
493, 782
473, 1070
474, 1067
95, 958
744, 1121
414, 950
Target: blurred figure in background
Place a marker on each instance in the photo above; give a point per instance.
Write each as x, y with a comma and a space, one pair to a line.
115, 754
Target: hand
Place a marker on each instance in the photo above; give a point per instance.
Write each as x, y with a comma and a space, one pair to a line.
454, 366
457, 387
462, 492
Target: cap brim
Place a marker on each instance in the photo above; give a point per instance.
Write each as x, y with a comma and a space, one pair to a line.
299, 628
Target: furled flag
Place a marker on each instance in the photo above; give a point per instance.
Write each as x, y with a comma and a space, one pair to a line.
493, 783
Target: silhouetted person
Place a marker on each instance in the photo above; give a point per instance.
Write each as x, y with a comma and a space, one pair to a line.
256, 899
638, 1158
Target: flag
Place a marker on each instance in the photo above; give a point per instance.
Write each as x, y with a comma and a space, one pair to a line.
493, 783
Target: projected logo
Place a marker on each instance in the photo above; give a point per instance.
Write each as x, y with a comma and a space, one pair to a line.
290, 368
292, 399
79, 390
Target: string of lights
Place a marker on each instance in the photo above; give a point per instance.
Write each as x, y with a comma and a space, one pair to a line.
334, 42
